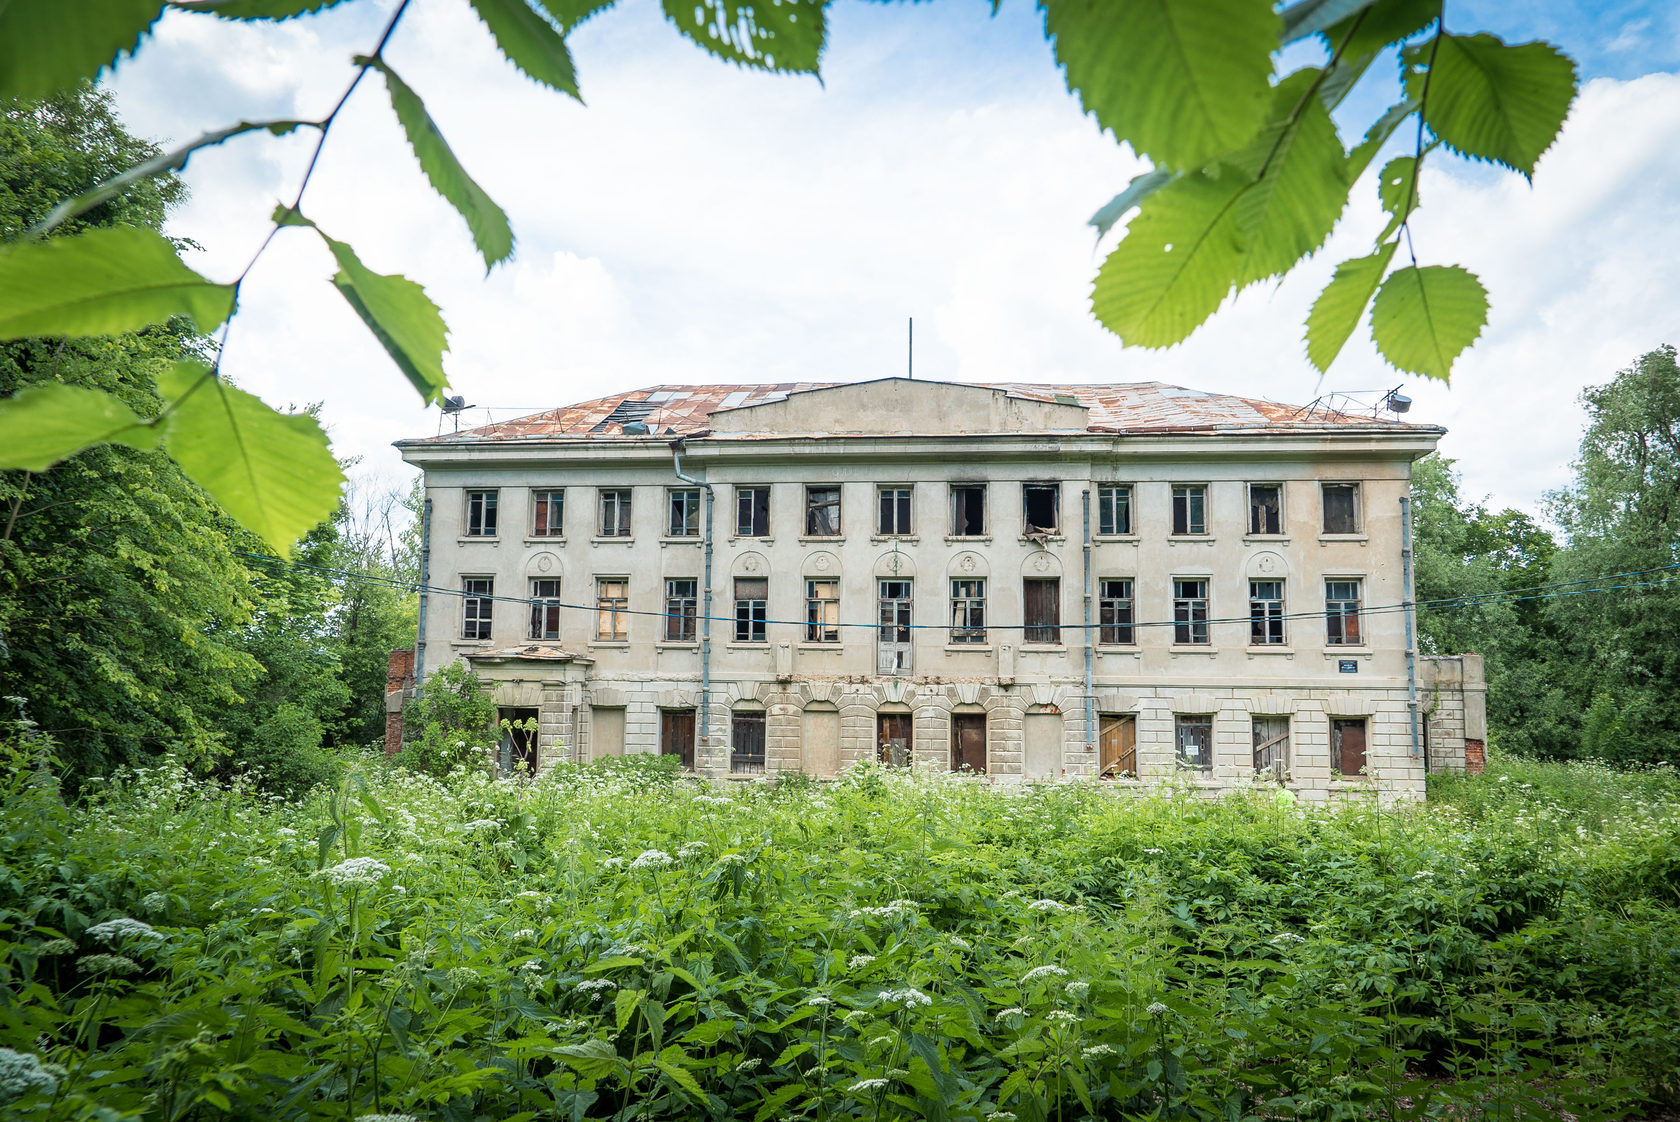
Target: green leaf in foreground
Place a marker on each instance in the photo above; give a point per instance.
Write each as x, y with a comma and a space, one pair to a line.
571, 13
260, 9
272, 472
530, 42
1424, 317
1337, 310
1176, 263
43, 424
1179, 80
777, 35
488, 223
102, 282
48, 45
1139, 189
1493, 101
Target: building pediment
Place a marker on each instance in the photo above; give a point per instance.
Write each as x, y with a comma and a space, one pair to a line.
900, 406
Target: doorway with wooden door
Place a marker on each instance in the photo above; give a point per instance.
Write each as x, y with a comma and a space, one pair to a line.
894, 739
1117, 746
968, 742
676, 735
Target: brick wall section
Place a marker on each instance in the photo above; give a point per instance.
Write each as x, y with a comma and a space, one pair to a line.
399, 679
1475, 757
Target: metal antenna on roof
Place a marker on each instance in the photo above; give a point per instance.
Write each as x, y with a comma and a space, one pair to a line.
910, 364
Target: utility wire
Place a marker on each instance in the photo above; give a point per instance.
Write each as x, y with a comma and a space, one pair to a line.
1454, 603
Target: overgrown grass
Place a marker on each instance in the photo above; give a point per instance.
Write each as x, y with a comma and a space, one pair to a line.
627, 944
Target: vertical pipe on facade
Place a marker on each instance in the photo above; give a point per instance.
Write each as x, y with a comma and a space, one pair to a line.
705, 600
1090, 636
1411, 620
425, 579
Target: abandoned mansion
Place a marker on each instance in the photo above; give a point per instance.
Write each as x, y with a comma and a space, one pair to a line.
1027, 581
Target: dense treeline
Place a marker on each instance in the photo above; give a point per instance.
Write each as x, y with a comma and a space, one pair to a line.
134, 617
1582, 661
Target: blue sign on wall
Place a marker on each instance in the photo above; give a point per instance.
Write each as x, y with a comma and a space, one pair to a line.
1348, 666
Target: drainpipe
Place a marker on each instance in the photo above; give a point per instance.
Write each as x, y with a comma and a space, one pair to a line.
1090, 636
1411, 622
425, 579
705, 600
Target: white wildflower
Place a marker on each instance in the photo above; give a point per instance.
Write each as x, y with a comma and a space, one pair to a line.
386, 1118
691, 849
1098, 1052
748, 1065
485, 824
1039, 973
1052, 907
612, 864
1079, 991
909, 997
1001, 1116
732, 859
123, 929
596, 985
818, 1000
1422, 874
1153, 850
523, 933
1009, 1013
154, 901
960, 943
870, 1086
460, 977
357, 873
1156, 1009
532, 966
1062, 1017
56, 946
651, 859
1286, 938
530, 894
859, 961
22, 1073
107, 964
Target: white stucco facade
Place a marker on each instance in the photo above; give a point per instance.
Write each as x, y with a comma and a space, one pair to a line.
1042, 681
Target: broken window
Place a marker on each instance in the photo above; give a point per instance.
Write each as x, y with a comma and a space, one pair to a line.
1347, 746
894, 520
1271, 747
752, 594
545, 609
1189, 509
968, 510
822, 512
1190, 611
892, 640
481, 514
1265, 508
1341, 508
746, 741
1114, 511
680, 603
1114, 613
612, 605
1265, 613
1042, 603
822, 611
615, 514
752, 512
968, 611
685, 514
1341, 613
1042, 502
479, 592
549, 508
1193, 740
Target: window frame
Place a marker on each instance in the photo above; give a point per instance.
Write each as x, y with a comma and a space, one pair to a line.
1108, 509
549, 502
1042, 633
1257, 531
1338, 726
1055, 489
1183, 722
743, 494
1279, 749
751, 613
689, 500
756, 723
544, 608
622, 501
1112, 629
682, 610
1201, 495
1336, 614
1267, 615
483, 508
812, 507
968, 611
1358, 513
822, 613
1187, 623
615, 609
477, 608
957, 522
903, 503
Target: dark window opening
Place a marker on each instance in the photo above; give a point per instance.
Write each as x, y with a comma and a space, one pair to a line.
822, 611
545, 609
676, 735
1042, 502
968, 510
894, 739
746, 742
1341, 613
481, 514
685, 514
519, 739
478, 601
968, 742
822, 512
752, 512
1190, 612
1114, 614
1042, 603
680, 610
1114, 511
549, 515
615, 514
1193, 741
968, 611
1189, 510
1341, 508
895, 511
1265, 508
751, 596
1265, 613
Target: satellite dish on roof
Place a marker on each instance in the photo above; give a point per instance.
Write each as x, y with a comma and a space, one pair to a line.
1396, 402
455, 404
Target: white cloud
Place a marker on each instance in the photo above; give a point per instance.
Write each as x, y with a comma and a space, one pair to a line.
699, 222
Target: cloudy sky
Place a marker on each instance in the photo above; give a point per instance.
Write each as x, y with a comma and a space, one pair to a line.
701, 223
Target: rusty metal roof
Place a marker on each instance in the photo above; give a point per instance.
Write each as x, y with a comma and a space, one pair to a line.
1132, 407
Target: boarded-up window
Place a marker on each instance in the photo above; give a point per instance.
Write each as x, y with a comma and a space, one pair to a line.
819, 739
968, 510
1341, 508
1117, 746
894, 739
746, 741
1042, 610
968, 611
752, 594
968, 742
822, 512
1193, 741
822, 611
1347, 746
612, 602
752, 512
1271, 747
545, 609
1265, 508
1042, 745
607, 730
